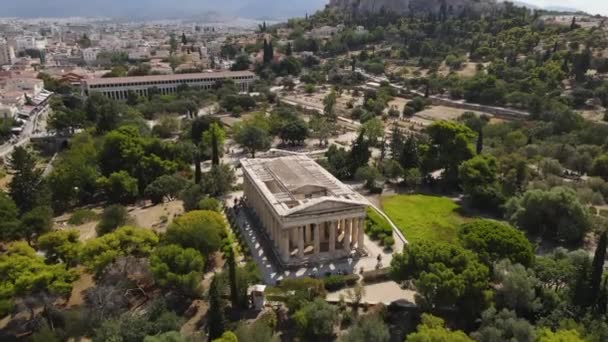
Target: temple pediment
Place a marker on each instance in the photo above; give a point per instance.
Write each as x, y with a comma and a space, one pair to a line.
325, 205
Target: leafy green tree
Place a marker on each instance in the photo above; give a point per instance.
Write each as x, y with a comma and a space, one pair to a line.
257, 331
368, 329
556, 214
210, 203
61, 246
75, 173
329, 103
517, 288
200, 230
170, 336
373, 130
315, 320
359, 154
450, 146
600, 167
433, 329
26, 187
370, 175
479, 179
168, 187
191, 196
125, 241
242, 62
493, 241
215, 316
178, 269
444, 274
227, 336
219, 180
111, 218
36, 222
253, 137
25, 273
119, 187
503, 326
321, 129
392, 170
546, 335
294, 132
9, 221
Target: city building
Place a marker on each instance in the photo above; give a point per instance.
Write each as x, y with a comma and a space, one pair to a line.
90, 55
7, 54
307, 213
117, 88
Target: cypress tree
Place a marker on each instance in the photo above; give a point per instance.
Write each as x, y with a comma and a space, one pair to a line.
216, 319
289, 50
270, 52
579, 289
597, 269
602, 301
480, 141
266, 54
234, 295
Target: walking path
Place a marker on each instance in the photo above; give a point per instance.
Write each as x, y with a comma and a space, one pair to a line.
385, 293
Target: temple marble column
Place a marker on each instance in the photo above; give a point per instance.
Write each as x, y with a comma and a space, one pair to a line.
308, 233
347, 235
361, 236
317, 239
285, 244
354, 230
301, 241
332, 237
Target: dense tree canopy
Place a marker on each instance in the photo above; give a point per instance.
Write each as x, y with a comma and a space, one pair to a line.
493, 241
201, 230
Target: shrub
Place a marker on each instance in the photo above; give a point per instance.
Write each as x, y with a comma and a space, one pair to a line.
82, 216
209, 203
376, 226
376, 275
112, 217
337, 282
388, 241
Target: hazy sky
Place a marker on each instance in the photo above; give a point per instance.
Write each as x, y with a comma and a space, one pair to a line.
590, 6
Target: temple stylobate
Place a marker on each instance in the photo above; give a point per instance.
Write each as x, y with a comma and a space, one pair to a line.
307, 213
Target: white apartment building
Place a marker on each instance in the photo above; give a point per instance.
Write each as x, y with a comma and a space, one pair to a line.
90, 55
118, 88
7, 54
30, 42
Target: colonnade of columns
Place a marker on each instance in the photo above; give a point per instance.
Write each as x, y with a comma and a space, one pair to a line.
320, 236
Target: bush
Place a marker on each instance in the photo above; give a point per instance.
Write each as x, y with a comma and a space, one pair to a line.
209, 203
376, 226
388, 241
82, 216
112, 217
337, 282
375, 276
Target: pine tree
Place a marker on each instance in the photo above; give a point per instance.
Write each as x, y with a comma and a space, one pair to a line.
597, 269
215, 316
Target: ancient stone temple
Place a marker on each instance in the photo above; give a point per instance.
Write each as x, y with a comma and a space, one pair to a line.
307, 213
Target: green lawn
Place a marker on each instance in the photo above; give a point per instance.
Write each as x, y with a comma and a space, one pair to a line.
424, 217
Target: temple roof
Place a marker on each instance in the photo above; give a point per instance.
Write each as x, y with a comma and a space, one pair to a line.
298, 185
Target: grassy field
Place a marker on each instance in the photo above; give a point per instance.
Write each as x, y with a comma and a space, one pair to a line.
424, 217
